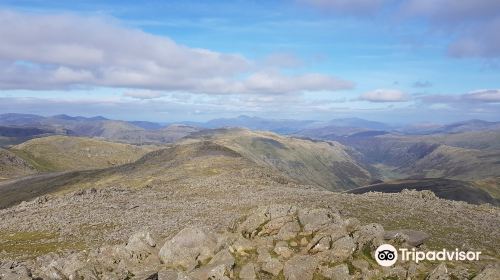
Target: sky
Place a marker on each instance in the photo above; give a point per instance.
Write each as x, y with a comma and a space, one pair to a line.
398, 61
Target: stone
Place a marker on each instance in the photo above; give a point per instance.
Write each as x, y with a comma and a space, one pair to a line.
413, 237
300, 267
288, 231
314, 219
279, 210
247, 272
339, 272
342, 249
141, 245
168, 275
219, 267
439, 273
491, 272
146, 275
263, 255
361, 264
352, 225
283, 250
319, 244
189, 248
274, 226
273, 266
257, 219
303, 241
370, 234
243, 245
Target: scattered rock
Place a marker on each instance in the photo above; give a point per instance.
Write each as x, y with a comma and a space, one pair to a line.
412, 237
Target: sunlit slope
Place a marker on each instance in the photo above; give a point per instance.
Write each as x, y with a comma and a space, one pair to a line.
12, 166
327, 164
63, 153
183, 164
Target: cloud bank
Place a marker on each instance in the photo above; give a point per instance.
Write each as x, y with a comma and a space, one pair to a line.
61, 51
384, 95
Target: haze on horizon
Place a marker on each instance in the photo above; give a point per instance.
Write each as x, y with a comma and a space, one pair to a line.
386, 60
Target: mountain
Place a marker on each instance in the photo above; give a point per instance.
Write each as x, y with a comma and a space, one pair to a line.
327, 164
443, 188
282, 126
147, 125
79, 118
11, 135
208, 187
359, 123
120, 131
63, 153
12, 166
470, 125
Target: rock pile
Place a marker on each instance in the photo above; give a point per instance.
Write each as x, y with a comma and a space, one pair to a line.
274, 242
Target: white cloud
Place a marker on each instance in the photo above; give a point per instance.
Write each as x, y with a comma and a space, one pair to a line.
55, 51
490, 95
143, 94
384, 95
475, 24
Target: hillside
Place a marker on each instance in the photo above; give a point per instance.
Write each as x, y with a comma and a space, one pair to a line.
64, 153
12, 166
327, 164
98, 127
443, 188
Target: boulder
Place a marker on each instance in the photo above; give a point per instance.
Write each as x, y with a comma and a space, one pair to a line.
339, 272
219, 267
288, 231
300, 267
412, 237
247, 272
314, 219
371, 234
189, 248
491, 272
439, 273
253, 222
273, 266
141, 245
283, 250
340, 251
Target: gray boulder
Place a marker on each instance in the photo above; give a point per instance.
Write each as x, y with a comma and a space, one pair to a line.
412, 237
300, 267
491, 272
189, 248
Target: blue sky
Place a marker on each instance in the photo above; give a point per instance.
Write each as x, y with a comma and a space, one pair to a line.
388, 60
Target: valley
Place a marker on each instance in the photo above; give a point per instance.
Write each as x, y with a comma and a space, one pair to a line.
110, 190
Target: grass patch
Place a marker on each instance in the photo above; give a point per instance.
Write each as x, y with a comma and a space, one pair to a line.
34, 243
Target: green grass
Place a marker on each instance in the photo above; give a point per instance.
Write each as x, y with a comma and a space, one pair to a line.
33, 244
39, 163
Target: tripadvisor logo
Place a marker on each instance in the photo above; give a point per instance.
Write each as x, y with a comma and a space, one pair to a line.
387, 255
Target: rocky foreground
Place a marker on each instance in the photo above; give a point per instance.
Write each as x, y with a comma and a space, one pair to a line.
272, 242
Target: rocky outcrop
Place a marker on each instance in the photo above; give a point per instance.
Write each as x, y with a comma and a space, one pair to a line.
274, 242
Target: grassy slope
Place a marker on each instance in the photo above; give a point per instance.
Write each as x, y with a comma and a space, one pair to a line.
12, 166
63, 153
327, 164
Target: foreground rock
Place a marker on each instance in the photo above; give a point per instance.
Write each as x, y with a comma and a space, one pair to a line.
274, 242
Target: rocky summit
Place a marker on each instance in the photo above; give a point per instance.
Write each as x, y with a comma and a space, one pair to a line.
272, 242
